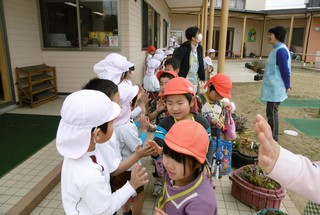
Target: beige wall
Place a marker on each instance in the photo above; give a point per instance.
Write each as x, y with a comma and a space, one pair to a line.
74, 68
314, 40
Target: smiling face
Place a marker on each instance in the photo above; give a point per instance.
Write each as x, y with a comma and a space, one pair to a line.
178, 106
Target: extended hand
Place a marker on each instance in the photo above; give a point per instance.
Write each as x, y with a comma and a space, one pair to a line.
269, 149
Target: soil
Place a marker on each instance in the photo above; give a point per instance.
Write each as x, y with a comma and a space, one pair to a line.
305, 84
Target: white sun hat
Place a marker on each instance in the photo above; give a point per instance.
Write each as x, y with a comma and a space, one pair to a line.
211, 51
112, 67
158, 57
153, 64
80, 113
127, 93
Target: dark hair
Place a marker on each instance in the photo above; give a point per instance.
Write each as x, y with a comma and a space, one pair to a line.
279, 32
211, 87
103, 85
189, 96
103, 127
175, 63
192, 32
183, 158
166, 75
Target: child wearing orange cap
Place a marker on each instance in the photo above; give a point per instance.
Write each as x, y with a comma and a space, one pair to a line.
186, 189
157, 109
214, 103
181, 104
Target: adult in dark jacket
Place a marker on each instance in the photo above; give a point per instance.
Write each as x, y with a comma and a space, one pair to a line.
190, 56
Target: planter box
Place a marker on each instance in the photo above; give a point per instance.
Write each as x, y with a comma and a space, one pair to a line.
239, 159
255, 197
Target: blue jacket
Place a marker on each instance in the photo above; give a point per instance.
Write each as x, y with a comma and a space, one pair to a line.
276, 78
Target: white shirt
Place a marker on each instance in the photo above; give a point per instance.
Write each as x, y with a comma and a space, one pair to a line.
85, 187
128, 137
110, 152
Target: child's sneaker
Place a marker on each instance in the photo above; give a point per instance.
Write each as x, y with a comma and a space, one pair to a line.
157, 188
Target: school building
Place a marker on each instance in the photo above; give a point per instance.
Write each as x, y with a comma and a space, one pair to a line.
73, 35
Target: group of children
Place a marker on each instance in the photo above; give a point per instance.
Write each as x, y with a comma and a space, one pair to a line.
102, 143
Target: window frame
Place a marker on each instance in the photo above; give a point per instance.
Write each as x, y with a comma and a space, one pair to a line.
150, 37
80, 47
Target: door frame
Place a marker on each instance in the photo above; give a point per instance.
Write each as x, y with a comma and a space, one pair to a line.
5, 65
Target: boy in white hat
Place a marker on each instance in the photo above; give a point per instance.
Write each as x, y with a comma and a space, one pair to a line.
86, 120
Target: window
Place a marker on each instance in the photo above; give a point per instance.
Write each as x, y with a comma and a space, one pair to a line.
297, 36
97, 24
233, 4
150, 26
165, 33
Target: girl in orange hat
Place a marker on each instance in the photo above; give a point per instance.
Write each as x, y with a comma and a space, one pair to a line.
181, 105
186, 189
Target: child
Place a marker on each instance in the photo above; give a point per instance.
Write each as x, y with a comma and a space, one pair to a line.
115, 162
180, 100
112, 67
208, 65
129, 139
157, 109
172, 64
150, 52
86, 120
212, 104
186, 189
150, 81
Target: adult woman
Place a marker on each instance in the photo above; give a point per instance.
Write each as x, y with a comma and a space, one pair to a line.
190, 56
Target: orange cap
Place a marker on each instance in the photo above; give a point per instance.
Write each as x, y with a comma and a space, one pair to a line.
178, 86
190, 138
159, 73
222, 83
151, 48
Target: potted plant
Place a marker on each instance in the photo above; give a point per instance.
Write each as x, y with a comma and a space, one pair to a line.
253, 188
244, 151
271, 211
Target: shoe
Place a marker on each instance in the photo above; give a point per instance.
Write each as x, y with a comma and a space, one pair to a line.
157, 189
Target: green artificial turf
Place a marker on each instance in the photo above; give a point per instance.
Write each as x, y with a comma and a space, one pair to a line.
299, 103
22, 135
311, 127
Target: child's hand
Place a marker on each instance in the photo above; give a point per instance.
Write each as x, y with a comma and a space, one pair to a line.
144, 122
217, 123
146, 150
143, 98
158, 149
139, 176
160, 105
152, 126
159, 211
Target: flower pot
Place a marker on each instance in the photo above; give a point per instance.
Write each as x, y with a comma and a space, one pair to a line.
253, 196
239, 159
271, 211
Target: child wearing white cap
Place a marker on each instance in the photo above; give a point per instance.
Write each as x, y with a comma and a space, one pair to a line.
208, 64
86, 120
129, 139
